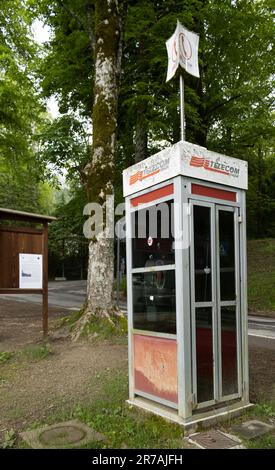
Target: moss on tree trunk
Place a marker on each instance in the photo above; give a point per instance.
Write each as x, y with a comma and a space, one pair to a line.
100, 170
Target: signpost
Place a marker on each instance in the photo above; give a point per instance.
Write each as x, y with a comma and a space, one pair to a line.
24, 256
182, 49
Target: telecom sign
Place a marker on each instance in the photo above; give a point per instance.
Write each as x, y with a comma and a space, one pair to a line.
185, 159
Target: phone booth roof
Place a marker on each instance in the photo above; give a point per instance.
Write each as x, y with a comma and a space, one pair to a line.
189, 160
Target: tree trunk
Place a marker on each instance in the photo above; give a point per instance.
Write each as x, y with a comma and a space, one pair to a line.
100, 170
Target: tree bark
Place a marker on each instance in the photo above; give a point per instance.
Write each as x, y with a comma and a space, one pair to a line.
100, 170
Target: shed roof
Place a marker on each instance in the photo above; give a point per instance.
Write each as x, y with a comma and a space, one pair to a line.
27, 216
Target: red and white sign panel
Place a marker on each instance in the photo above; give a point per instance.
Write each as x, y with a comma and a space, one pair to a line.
182, 49
185, 159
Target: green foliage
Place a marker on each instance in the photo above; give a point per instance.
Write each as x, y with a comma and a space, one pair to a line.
261, 276
21, 189
21, 112
265, 409
139, 429
71, 319
64, 144
19, 104
10, 438
67, 70
67, 245
36, 353
229, 108
5, 356
99, 328
103, 328
265, 442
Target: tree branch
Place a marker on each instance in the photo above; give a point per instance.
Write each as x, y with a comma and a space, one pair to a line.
89, 26
122, 12
81, 24
223, 103
73, 14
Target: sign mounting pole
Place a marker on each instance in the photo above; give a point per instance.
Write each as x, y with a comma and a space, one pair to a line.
182, 50
182, 113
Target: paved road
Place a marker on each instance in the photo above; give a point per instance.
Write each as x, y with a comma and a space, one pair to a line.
71, 295
262, 327
68, 294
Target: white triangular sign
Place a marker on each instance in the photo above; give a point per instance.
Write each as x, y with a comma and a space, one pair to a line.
182, 49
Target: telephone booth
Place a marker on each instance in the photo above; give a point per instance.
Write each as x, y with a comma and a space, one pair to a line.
186, 284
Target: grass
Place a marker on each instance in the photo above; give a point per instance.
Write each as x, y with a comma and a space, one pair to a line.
123, 425
103, 329
127, 427
264, 411
261, 276
9, 440
98, 328
5, 356
261, 292
36, 353
264, 442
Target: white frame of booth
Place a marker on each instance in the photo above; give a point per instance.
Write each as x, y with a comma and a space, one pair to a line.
187, 410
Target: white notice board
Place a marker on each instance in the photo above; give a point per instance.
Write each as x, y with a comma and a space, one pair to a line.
30, 271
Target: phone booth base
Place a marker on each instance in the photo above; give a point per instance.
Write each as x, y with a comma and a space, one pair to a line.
186, 284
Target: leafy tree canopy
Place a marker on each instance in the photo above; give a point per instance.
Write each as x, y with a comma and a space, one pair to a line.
229, 108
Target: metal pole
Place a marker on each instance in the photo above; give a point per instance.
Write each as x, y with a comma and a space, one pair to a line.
118, 272
45, 306
182, 116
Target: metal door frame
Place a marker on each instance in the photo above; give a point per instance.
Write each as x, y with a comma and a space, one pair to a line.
215, 304
225, 303
130, 272
195, 304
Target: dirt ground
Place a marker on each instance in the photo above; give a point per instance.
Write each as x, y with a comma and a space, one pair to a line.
32, 390
21, 323
261, 371
72, 373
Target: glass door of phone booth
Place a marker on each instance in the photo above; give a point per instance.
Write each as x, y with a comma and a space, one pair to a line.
215, 303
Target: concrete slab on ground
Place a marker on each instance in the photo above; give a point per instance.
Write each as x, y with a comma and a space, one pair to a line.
253, 428
69, 434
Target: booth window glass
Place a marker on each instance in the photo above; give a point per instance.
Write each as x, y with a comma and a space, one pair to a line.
204, 354
154, 302
154, 299
227, 255
152, 236
202, 250
229, 350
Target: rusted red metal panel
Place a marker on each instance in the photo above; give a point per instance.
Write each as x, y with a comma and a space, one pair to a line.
153, 195
155, 365
214, 193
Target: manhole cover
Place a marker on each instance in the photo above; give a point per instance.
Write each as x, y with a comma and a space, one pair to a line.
253, 428
62, 435
213, 440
